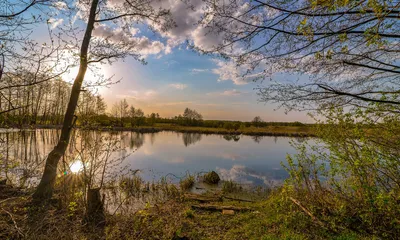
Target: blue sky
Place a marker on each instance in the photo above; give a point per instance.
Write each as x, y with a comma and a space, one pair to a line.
181, 79
177, 77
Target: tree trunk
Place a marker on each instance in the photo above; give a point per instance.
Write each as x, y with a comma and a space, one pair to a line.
45, 189
95, 207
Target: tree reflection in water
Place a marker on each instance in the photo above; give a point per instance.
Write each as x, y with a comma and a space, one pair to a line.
235, 138
191, 138
257, 139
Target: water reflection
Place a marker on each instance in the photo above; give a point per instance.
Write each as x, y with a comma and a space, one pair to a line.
252, 160
257, 139
232, 137
191, 138
136, 140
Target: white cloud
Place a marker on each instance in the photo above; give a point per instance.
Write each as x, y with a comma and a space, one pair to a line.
60, 5
198, 70
233, 92
179, 86
139, 95
150, 93
229, 71
142, 45
55, 22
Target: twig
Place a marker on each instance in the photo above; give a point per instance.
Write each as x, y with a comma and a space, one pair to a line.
8, 199
15, 223
314, 218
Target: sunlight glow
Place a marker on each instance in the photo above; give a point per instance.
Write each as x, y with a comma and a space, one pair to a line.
76, 166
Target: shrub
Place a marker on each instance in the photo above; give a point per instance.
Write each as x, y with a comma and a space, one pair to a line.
187, 182
211, 178
350, 180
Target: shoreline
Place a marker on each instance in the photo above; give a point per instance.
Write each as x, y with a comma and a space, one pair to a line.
275, 131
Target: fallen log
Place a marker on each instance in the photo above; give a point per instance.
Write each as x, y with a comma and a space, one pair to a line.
239, 199
209, 207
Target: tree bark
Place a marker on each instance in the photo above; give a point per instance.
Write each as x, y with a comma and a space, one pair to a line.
45, 189
95, 207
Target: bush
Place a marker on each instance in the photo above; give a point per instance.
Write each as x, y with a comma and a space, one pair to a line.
187, 182
350, 180
211, 178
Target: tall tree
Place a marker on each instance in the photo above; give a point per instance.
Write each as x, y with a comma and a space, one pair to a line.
105, 46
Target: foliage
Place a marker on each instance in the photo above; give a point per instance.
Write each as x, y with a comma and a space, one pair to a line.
341, 52
257, 121
211, 178
187, 182
351, 179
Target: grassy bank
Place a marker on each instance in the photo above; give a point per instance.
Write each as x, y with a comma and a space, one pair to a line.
290, 131
250, 215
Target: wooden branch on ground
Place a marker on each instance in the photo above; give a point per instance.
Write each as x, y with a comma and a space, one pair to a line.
239, 199
15, 223
314, 218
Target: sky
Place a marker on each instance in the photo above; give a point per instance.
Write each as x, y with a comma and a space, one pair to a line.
176, 76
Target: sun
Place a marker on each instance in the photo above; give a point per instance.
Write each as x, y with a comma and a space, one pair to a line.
76, 166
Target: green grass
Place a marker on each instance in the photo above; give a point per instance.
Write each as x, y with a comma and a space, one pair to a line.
269, 218
264, 221
270, 130
187, 182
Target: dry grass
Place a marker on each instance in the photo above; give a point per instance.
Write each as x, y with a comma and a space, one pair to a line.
173, 219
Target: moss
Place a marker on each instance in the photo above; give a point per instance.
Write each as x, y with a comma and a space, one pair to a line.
211, 178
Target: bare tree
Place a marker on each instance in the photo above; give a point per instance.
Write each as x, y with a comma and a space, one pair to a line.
23, 61
97, 45
345, 52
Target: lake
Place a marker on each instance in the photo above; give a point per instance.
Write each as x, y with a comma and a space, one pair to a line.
252, 160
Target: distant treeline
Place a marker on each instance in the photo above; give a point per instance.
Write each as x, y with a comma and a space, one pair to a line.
45, 104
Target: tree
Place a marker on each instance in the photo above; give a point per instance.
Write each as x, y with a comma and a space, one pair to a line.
121, 111
139, 117
228, 126
25, 63
345, 52
191, 117
257, 121
96, 49
132, 112
152, 119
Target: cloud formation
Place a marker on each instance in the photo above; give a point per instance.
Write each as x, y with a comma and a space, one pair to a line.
142, 44
139, 95
55, 22
233, 92
229, 71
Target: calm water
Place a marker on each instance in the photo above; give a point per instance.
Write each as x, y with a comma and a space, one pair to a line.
245, 159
